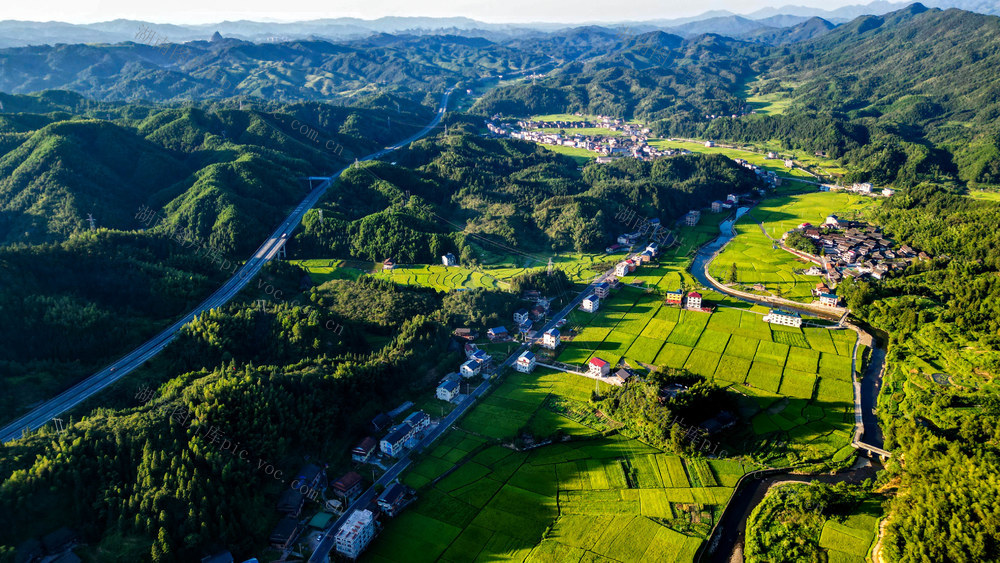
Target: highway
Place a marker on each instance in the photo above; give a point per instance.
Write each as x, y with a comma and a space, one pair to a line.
327, 544
48, 410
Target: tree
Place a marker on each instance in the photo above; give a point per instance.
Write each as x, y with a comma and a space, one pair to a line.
733, 274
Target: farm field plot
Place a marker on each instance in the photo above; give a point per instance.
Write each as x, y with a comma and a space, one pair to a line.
496, 272
498, 504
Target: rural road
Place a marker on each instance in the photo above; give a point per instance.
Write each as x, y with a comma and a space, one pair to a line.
48, 410
327, 544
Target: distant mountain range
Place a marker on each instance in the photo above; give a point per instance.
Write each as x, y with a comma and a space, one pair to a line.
758, 25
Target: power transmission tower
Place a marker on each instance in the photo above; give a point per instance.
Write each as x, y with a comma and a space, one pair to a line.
91, 219
550, 266
320, 215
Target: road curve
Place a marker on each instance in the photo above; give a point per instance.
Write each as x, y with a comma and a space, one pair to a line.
48, 410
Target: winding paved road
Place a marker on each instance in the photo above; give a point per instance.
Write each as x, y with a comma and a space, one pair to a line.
49, 410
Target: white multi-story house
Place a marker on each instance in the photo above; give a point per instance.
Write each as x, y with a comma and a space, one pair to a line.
471, 368
829, 299
418, 420
447, 390
449, 259
602, 290
621, 269
525, 362
357, 532
394, 442
694, 300
779, 317
591, 303
520, 316
550, 339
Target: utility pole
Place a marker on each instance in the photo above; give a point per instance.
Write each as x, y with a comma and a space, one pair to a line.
320, 215
550, 266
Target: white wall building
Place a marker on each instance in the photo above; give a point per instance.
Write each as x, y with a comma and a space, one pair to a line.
357, 532
779, 317
525, 362
591, 303
551, 338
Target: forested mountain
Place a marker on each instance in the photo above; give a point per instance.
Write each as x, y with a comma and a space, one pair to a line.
219, 173
152, 68
278, 383
509, 192
926, 73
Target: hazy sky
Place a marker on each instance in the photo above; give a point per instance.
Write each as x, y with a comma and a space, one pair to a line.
206, 11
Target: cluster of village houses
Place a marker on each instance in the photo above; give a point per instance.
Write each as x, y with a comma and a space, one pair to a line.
863, 188
854, 249
632, 140
354, 535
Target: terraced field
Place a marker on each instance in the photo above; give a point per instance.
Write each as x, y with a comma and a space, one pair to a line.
494, 276
756, 259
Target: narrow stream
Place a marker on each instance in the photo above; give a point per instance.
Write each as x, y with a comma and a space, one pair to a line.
726, 542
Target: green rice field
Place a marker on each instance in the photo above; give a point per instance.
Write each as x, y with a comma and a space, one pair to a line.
607, 498
594, 498
756, 259
495, 275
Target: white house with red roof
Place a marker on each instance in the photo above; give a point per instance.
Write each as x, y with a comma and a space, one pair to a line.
598, 367
694, 300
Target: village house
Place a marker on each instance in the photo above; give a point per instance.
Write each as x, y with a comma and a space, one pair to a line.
733, 198
694, 300
789, 163
466, 334
498, 334
716, 206
829, 299
621, 269
348, 487
388, 264
591, 303
692, 218
482, 356
380, 422
447, 390
653, 248
538, 312
520, 316
449, 259
364, 450
779, 317
674, 297
550, 339
598, 367
602, 290
709, 144
525, 362
394, 442
285, 532
418, 421
470, 368
290, 503
357, 532
620, 376
392, 499
645, 257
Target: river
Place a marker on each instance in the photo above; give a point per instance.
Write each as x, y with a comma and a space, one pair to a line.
725, 545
